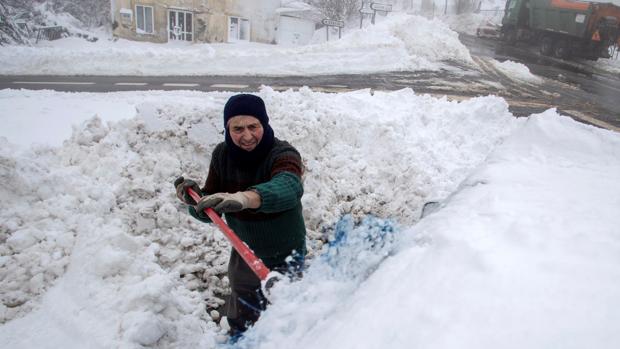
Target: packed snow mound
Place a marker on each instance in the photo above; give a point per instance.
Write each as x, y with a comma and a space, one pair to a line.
611, 65
398, 43
96, 220
516, 71
423, 41
525, 254
429, 40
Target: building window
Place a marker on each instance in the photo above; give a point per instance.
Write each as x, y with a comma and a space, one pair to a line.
238, 29
126, 17
180, 25
144, 19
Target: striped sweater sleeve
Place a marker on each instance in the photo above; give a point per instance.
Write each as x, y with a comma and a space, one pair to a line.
283, 192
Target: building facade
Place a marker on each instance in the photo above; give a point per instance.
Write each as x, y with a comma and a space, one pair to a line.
210, 21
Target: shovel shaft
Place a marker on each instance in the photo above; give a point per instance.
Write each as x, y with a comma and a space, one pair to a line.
257, 265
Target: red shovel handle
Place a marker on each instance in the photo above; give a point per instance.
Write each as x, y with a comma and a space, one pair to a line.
257, 266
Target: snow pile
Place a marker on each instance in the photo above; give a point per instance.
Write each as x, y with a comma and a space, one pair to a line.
400, 42
516, 71
62, 218
430, 40
524, 255
611, 65
93, 228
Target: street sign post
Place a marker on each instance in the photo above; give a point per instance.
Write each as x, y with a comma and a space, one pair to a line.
333, 23
375, 6
372, 9
381, 7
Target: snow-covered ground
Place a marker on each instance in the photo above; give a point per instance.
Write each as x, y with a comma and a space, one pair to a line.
398, 42
96, 251
401, 42
95, 241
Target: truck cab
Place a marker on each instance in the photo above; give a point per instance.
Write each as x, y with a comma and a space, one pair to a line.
563, 28
516, 15
512, 11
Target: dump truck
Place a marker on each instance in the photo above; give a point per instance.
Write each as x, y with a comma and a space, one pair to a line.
563, 28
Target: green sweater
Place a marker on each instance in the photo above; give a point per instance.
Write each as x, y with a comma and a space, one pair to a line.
276, 229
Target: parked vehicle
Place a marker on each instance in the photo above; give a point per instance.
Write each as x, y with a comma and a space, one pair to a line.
563, 28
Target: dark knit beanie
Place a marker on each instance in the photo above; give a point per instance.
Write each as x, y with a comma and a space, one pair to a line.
246, 104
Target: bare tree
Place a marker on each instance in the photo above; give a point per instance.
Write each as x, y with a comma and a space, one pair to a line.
337, 9
92, 13
10, 33
19, 17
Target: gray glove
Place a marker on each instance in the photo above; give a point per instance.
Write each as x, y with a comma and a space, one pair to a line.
223, 202
181, 185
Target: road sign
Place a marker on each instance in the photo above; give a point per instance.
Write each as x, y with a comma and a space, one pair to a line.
333, 23
381, 7
366, 10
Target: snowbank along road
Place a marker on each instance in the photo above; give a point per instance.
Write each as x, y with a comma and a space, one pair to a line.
574, 89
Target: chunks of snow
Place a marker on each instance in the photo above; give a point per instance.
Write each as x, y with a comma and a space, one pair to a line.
22, 239
144, 328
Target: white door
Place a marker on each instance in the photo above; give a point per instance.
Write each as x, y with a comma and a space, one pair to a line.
238, 29
180, 25
295, 31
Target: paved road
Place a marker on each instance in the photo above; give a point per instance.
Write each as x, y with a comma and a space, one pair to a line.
579, 89
575, 90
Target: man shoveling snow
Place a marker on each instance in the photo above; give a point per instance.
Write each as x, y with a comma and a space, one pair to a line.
255, 180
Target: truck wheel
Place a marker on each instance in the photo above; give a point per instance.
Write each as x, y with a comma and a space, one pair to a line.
546, 46
561, 49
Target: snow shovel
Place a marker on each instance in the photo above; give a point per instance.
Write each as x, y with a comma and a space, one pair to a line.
266, 277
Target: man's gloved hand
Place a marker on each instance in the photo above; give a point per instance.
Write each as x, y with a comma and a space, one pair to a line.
223, 202
181, 184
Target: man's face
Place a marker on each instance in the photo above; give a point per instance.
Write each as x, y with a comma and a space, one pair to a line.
246, 131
